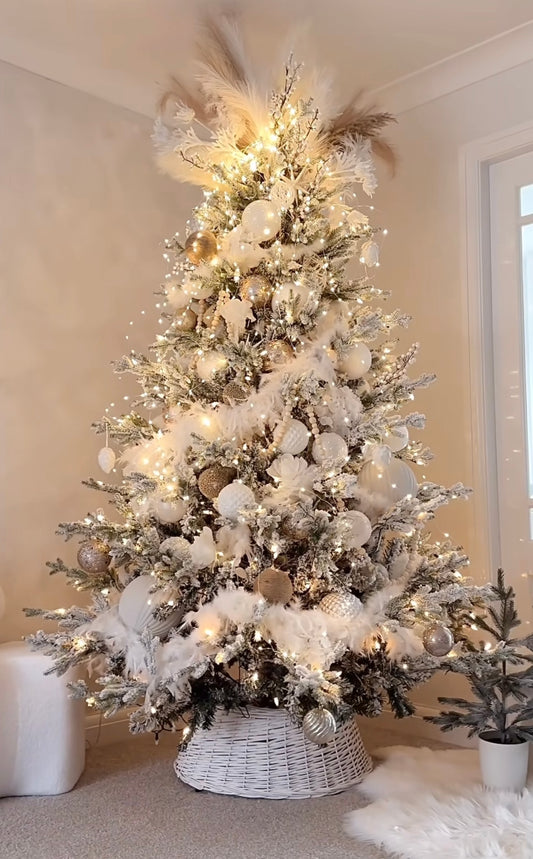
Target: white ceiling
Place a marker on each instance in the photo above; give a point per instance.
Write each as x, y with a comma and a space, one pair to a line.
123, 50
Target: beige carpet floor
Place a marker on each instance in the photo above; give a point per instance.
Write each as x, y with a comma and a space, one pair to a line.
128, 804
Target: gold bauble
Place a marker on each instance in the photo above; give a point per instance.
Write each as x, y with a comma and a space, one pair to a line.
201, 247
94, 557
214, 479
276, 352
274, 585
257, 289
234, 392
186, 320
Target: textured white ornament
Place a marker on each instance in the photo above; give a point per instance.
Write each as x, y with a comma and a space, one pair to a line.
236, 312
293, 438
233, 498
344, 605
354, 528
319, 725
330, 447
261, 221
397, 438
137, 604
356, 362
169, 511
107, 459
394, 481
210, 364
283, 193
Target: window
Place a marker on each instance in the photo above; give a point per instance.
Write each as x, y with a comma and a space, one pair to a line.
511, 286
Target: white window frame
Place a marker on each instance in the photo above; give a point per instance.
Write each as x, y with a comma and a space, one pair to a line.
475, 159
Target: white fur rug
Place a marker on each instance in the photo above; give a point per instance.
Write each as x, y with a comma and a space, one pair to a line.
428, 804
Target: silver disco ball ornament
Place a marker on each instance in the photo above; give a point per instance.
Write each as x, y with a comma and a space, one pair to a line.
319, 726
344, 605
438, 640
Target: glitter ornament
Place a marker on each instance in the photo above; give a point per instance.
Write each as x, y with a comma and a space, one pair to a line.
201, 247
330, 447
343, 605
107, 459
136, 608
257, 289
176, 547
391, 478
319, 726
186, 320
353, 528
276, 352
438, 639
169, 511
356, 362
291, 437
214, 479
396, 438
233, 498
210, 364
234, 393
274, 585
261, 221
94, 557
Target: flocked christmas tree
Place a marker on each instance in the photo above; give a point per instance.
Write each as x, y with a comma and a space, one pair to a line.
272, 546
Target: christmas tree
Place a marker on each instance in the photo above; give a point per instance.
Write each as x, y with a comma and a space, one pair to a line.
271, 547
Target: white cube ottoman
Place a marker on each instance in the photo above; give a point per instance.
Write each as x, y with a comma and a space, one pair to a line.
42, 730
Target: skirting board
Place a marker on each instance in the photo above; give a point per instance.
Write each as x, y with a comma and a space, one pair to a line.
103, 732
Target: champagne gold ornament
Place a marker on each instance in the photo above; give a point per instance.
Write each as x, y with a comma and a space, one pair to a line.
94, 557
274, 585
438, 639
319, 725
234, 393
186, 320
201, 247
344, 605
257, 289
214, 479
276, 353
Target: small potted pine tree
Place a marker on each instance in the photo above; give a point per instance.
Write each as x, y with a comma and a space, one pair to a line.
500, 675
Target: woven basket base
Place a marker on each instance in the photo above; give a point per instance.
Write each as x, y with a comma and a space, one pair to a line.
266, 755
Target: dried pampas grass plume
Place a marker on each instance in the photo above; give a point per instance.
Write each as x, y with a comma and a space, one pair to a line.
229, 91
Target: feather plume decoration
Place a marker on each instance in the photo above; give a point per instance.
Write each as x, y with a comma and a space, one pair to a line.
231, 99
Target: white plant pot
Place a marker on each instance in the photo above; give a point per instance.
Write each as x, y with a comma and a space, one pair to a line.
503, 765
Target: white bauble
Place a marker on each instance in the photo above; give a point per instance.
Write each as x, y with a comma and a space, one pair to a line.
396, 438
169, 511
203, 549
136, 608
356, 362
261, 221
330, 447
209, 364
107, 459
233, 498
293, 438
354, 529
394, 480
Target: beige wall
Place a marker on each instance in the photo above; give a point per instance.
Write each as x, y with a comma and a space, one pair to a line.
421, 264
82, 215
